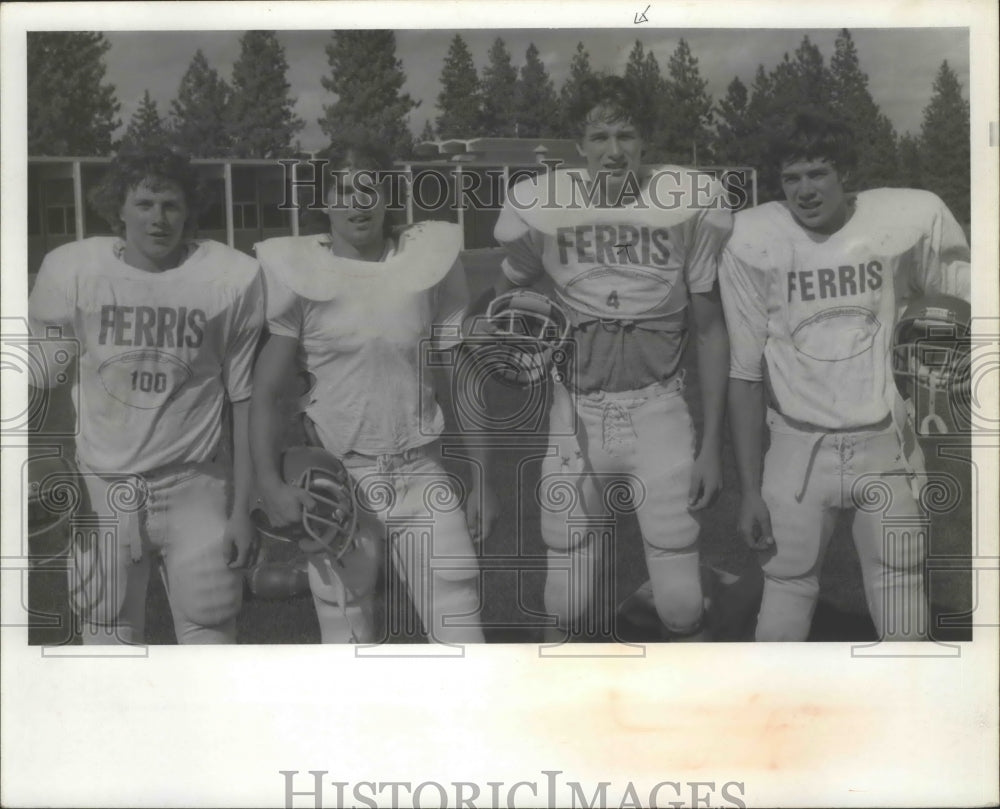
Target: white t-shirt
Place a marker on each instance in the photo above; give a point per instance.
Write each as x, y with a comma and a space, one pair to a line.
369, 339
158, 352
820, 311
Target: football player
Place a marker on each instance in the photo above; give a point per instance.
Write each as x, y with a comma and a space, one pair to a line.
812, 288
632, 254
166, 326
360, 305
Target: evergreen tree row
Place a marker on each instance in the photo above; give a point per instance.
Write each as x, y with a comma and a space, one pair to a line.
73, 111
937, 158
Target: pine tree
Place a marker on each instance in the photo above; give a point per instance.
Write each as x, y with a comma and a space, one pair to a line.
459, 99
199, 112
367, 79
580, 76
642, 73
760, 117
944, 144
909, 174
145, 127
802, 81
815, 85
793, 84
688, 109
854, 105
535, 99
261, 116
497, 91
758, 107
733, 126
70, 110
428, 131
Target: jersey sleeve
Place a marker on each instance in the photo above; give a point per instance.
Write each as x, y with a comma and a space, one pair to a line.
711, 232
523, 246
283, 308
947, 269
52, 304
452, 304
247, 322
744, 302
51, 316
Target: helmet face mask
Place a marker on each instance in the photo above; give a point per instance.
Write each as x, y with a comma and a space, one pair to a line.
530, 333
332, 520
931, 347
330, 526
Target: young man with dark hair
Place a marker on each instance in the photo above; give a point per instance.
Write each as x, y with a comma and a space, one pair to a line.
632, 254
812, 288
359, 305
166, 327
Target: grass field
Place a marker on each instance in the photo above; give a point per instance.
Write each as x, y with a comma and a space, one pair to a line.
512, 598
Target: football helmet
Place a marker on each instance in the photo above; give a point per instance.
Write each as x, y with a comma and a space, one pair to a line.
328, 527
931, 346
528, 334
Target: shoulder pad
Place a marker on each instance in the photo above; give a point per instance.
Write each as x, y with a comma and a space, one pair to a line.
896, 219
228, 261
424, 254
93, 248
560, 199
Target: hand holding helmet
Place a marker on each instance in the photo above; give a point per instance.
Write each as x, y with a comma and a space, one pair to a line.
283, 503
528, 332
931, 346
314, 506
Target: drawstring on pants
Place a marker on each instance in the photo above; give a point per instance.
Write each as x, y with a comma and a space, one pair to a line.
617, 426
809, 466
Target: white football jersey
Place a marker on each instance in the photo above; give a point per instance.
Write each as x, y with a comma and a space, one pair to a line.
368, 330
635, 262
158, 352
820, 311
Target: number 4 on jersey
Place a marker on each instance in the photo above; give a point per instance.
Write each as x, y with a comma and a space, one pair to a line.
612, 300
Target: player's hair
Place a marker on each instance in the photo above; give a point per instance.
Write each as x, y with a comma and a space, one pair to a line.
155, 166
605, 99
813, 134
360, 150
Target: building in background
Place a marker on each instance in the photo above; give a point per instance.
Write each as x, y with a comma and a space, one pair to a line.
460, 181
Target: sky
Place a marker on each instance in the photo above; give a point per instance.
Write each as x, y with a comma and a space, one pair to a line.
900, 62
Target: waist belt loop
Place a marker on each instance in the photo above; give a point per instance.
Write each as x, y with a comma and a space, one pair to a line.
675, 321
